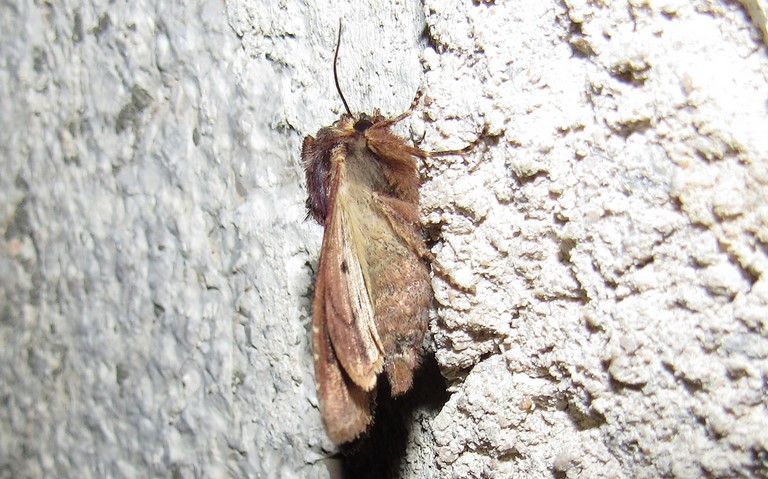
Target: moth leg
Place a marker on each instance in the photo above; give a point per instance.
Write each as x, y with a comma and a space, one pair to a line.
400, 213
419, 94
402, 116
418, 141
461, 151
391, 121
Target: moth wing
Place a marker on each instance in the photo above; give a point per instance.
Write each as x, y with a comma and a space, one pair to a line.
346, 408
348, 308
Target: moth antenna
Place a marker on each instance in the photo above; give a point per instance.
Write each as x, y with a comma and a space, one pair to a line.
335, 75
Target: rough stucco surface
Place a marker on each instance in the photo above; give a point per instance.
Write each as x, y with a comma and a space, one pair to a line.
156, 269
615, 230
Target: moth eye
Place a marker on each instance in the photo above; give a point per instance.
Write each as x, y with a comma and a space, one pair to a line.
344, 268
362, 125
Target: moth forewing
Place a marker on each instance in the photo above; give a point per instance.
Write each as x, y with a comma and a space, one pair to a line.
346, 408
349, 313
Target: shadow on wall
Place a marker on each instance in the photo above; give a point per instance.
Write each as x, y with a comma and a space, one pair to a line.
380, 453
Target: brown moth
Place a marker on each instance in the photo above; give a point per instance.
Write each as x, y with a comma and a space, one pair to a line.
372, 291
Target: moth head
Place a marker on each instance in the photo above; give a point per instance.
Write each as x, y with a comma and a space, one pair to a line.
362, 123
354, 125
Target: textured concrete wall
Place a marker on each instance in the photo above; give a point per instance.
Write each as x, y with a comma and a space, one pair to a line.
156, 269
616, 232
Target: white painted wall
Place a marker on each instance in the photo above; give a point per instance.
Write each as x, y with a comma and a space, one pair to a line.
156, 269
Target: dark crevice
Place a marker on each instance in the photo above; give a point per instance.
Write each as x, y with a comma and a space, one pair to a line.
380, 454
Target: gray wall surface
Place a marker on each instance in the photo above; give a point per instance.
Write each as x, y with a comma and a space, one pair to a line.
156, 269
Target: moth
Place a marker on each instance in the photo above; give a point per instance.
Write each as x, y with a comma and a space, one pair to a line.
372, 289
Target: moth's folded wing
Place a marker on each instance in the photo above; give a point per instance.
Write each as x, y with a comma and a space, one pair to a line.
348, 307
345, 407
